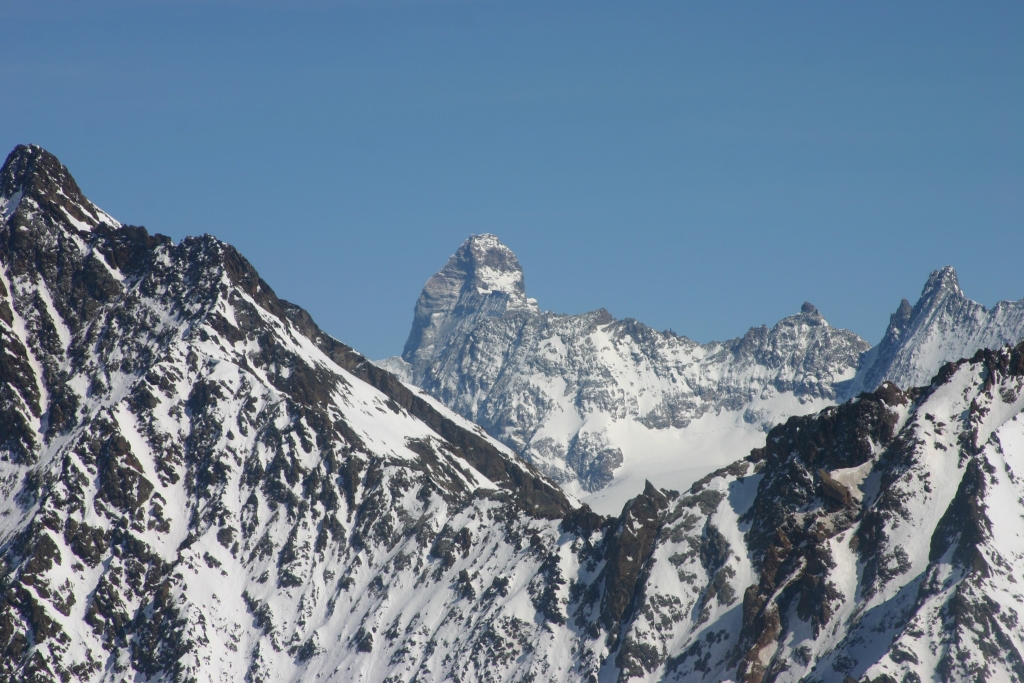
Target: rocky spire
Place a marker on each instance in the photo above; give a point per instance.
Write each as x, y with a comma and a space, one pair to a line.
944, 325
941, 282
899, 320
482, 278
35, 181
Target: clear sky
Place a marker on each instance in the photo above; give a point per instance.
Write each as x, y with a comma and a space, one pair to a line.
700, 166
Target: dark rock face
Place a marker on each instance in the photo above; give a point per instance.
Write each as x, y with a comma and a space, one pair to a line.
196, 477
629, 548
482, 279
551, 387
198, 484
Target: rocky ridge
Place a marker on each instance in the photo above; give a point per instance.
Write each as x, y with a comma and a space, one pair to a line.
588, 398
880, 540
195, 476
198, 484
944, 325
600, 404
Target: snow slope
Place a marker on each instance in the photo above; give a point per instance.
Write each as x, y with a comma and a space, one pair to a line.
944, 325
198, 484
600, 404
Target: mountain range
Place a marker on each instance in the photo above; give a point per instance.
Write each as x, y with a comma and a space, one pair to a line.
199, 484
600, 404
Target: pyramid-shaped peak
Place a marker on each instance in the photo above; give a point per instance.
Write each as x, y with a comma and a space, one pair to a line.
30, 167
942, 280
32, 173
485, 264
482, 278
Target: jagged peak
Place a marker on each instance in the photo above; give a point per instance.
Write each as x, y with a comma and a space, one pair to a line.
941, 282
901, 318
488, 266
30, 172
942, 326
29, 167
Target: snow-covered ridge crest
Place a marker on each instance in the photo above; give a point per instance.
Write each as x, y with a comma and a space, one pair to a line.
197, 483
597, 402
944, 325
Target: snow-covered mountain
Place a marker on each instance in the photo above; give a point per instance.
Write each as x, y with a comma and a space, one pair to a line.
600, 404
944, 325
881, 540
198, 484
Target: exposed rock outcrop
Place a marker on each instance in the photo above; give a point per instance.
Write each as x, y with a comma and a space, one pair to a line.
588, 399
198, 484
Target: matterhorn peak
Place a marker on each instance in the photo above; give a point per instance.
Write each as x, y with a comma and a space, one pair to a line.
482, 278
488, 266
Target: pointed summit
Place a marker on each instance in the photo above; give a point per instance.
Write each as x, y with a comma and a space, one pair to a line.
901, 318
35, 180
482, 278
487, 265
944, 325
941, 282
30, 168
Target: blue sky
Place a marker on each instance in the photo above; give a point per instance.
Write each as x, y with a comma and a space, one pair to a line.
700, 166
